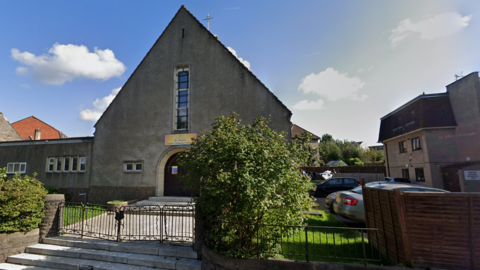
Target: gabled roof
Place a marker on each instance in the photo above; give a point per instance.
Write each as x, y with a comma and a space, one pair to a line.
296, 130
25, 131
215, 38
7, 132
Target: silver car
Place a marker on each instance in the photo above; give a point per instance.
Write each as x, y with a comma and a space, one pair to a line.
349, 204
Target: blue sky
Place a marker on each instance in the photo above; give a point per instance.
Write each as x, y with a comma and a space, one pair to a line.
338, 65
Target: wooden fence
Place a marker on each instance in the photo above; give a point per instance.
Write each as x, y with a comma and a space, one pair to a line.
440, 230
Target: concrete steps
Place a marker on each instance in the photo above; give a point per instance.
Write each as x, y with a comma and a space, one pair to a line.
167, 200
85, 254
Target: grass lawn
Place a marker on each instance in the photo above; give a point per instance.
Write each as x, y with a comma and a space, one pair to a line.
74, 213
327, 244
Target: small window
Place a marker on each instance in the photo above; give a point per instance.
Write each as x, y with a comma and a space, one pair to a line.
74, 164
50, 164
405, 174
83, 162
416, 143
66, 164
349, 181
130, 166
402, 146
59, 164
420, 177
16, 167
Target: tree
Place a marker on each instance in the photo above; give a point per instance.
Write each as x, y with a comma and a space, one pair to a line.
246, 175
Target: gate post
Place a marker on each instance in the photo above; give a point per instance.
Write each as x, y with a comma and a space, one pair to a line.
53, 220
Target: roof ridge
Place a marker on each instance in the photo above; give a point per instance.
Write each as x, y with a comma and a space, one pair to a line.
216, 38
40, 121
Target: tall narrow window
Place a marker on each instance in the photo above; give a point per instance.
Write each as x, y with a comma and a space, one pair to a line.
66, 164
83, 162
59, 164
181, 112
51, 164
74, 164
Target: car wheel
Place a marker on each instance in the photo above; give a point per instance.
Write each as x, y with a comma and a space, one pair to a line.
320, 193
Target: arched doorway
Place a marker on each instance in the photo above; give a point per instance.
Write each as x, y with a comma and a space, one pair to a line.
172, 186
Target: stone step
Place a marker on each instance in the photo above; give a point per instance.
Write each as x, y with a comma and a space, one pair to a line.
71, 263
170, 199
9, 266
112, 256
148, 248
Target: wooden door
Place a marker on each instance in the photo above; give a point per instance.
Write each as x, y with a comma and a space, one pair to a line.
451, 181
172, 186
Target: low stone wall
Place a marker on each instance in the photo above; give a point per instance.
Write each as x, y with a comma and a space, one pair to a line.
50, 223
214, 261
15, 243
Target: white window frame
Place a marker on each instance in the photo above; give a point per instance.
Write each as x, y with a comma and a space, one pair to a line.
82, 160
134, 166
416, 146
65, 159
56, 164
19, 171
74, 163
51, 163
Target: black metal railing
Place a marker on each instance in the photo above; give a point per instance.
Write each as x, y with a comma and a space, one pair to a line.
172, 223
308, 243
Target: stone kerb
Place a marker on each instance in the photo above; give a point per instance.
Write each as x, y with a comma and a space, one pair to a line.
214, 261
51, 222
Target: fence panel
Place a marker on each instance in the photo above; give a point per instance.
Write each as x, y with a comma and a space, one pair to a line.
440, 230
426, 229
174, 223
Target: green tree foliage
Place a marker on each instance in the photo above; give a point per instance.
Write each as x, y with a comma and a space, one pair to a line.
21, 202
246, 174
355, 162
374, 156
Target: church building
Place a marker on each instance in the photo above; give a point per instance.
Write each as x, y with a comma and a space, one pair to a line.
185, 81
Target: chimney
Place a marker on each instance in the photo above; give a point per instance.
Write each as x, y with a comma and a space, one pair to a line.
37, 134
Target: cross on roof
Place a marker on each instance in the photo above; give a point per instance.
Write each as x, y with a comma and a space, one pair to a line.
208, 19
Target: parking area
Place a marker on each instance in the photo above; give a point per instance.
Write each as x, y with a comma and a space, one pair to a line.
347, 222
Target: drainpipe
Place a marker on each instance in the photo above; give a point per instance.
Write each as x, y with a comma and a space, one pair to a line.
386, 157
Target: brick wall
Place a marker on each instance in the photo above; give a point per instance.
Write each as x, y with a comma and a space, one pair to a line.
15, 243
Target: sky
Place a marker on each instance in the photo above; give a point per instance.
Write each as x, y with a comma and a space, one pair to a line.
339, 66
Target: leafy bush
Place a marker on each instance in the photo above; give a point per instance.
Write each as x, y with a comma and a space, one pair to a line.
355, 162
246, 175
21, 202
54, 190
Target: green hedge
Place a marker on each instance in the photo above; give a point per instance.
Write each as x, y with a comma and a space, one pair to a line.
21, 202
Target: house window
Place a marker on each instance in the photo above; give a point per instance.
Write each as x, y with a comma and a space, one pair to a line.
405, 174
16, 167
83, 162
59, 164
50, 164
420, 177
402, 146
130, 166
66, 164
416, 143
181, 99
74, 164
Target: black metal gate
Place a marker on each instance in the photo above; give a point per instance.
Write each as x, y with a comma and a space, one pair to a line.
169, 223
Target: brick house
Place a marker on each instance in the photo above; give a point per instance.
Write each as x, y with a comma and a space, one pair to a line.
32, 128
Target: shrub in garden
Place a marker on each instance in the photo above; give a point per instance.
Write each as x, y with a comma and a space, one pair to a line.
246, 175
54, 190
21, 202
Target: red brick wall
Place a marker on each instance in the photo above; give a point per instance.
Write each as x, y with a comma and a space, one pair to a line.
27, 127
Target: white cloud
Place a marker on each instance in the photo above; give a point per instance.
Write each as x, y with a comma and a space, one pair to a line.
360, 70
244, 62
440, 25
68, 62
332, 85
99, 106
309, 105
